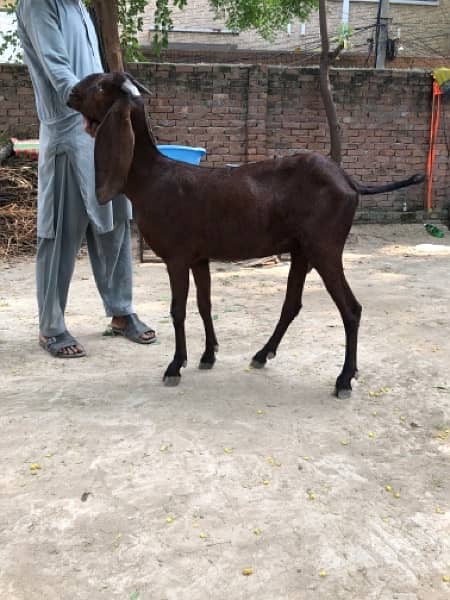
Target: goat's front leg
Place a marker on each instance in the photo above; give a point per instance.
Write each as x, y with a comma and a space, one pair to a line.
179, 284
202, 278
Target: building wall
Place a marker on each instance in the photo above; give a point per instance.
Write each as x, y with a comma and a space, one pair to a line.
424, 28
245, 113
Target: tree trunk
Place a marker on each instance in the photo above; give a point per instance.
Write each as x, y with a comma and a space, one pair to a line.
108, 20
325, 86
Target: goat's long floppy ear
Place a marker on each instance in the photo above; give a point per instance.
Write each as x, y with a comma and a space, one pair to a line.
114, 147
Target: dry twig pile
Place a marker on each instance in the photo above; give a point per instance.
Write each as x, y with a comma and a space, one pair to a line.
18, 191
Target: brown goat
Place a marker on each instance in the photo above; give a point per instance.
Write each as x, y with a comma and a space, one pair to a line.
302, 204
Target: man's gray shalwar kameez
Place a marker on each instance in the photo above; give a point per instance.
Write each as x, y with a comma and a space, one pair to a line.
60, 48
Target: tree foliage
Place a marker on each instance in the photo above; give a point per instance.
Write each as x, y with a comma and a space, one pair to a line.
130, 20
163, 22
264, 16
9, 41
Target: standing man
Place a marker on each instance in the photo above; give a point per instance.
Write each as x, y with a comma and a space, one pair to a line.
61, 47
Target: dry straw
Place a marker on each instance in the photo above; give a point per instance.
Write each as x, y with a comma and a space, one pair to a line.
18, 190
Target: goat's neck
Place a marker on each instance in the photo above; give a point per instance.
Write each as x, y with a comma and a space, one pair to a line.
144, 158
144, 142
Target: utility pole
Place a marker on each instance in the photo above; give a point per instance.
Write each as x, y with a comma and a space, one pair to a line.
382, 33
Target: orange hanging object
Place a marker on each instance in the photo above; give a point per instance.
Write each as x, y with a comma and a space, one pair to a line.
435, 116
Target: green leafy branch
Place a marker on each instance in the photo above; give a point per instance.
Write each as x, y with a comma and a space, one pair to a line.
163, 23
10, 40
131, 22
130, 18
264, 16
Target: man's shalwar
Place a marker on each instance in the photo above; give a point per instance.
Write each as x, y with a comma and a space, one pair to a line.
61, 47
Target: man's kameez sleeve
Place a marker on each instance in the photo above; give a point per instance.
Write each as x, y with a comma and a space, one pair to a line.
41, 21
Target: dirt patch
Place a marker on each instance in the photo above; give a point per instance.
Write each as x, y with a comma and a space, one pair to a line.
115, 487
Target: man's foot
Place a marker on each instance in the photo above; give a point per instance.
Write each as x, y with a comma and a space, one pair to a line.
62, 345
131, 327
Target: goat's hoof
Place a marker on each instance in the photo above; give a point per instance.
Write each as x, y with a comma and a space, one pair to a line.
256, 364
172, 380
343, 394
270, 355
356, 375
216, 348
204, 366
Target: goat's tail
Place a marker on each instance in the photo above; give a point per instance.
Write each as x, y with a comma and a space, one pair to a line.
365, 190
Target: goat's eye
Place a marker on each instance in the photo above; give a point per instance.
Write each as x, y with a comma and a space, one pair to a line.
101, 89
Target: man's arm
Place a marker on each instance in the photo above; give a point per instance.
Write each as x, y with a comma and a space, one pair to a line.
41, 23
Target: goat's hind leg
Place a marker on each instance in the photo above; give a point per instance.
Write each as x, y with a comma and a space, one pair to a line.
179, 284
202, 278
332, 273
291, 308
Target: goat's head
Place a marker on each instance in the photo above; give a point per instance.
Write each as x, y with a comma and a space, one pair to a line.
106, 101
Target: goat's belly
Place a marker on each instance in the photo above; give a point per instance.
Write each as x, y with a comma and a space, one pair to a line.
218, 243
243, 249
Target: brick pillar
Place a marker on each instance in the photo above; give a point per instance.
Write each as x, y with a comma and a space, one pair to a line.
257, 113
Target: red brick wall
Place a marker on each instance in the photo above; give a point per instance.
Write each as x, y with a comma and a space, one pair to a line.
17, 112
244, 112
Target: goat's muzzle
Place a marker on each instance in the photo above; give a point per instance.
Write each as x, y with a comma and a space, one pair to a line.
74, 100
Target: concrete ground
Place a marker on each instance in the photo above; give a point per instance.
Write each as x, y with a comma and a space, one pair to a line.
237, 484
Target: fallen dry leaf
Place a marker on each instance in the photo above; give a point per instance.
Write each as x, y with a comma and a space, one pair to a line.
379, 392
